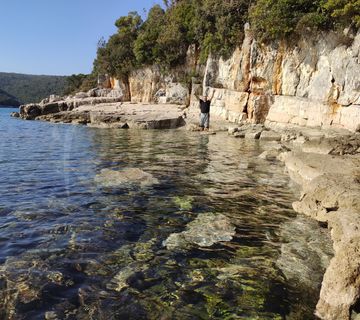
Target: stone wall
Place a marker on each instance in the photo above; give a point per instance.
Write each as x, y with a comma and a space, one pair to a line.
314, 83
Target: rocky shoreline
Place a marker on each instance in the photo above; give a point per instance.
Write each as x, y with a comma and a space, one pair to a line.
104, 108
326, 164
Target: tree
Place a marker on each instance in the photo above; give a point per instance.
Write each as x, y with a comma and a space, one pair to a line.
176, 35
74, 82
146, 47
278, 19
344, 11
223, 23
116, 57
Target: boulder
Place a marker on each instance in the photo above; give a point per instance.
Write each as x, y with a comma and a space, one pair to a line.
54, 98
232, 130
81, 95
239, 134
177, 93
30, 111
50, 108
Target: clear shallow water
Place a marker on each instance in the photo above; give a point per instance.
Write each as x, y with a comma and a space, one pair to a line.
64, 239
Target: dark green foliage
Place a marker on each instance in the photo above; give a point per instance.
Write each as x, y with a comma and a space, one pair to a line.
220, 26
278, 19
281, 19
30, 88
117, 57
80, 82
344, 11
7, 99
177, 33
213, 26
146, 48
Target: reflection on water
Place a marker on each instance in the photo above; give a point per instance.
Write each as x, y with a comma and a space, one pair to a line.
72, 249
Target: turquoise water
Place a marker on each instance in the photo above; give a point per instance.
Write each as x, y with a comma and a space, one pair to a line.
66, 241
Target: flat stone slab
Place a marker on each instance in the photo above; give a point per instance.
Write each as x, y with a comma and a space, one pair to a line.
304, 167
122, 115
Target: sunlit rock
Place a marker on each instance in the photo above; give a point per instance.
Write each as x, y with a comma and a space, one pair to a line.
206, 230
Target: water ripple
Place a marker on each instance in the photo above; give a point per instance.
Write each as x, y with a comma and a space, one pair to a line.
71, 249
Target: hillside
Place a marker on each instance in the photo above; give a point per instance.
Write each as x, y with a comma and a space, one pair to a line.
7, 99
17, 88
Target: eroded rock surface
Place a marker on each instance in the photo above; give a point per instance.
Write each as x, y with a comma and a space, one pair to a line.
331, 190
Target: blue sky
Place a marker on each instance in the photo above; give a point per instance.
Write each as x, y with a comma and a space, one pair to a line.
58, 37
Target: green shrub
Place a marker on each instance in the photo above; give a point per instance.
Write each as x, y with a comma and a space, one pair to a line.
344, 11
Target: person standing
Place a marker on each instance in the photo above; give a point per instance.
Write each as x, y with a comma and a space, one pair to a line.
204, 105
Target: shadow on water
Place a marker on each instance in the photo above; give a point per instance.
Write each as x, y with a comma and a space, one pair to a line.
73, 249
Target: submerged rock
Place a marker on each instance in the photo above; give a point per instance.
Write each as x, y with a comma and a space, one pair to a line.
206, 230
305, 253
112, 178
119, 282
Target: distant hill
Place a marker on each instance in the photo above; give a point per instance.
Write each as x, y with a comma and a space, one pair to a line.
16, 88
7, 99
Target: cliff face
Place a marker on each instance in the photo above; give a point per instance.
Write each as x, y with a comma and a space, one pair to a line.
151, 84
314, 83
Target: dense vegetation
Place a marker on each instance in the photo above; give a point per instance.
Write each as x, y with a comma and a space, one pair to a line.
7, 99
17, 88
79, 82
213, 26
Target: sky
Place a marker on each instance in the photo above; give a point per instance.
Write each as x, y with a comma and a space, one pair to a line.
58, 37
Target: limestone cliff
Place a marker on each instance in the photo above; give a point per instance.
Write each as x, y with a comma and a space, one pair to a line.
312, 83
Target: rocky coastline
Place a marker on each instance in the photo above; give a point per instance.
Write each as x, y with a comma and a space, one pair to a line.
303, 101
324, 162
326, 165
101, 107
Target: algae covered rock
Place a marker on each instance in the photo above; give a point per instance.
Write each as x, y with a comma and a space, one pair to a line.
184, 203
206, 230
112, 178
120, 281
